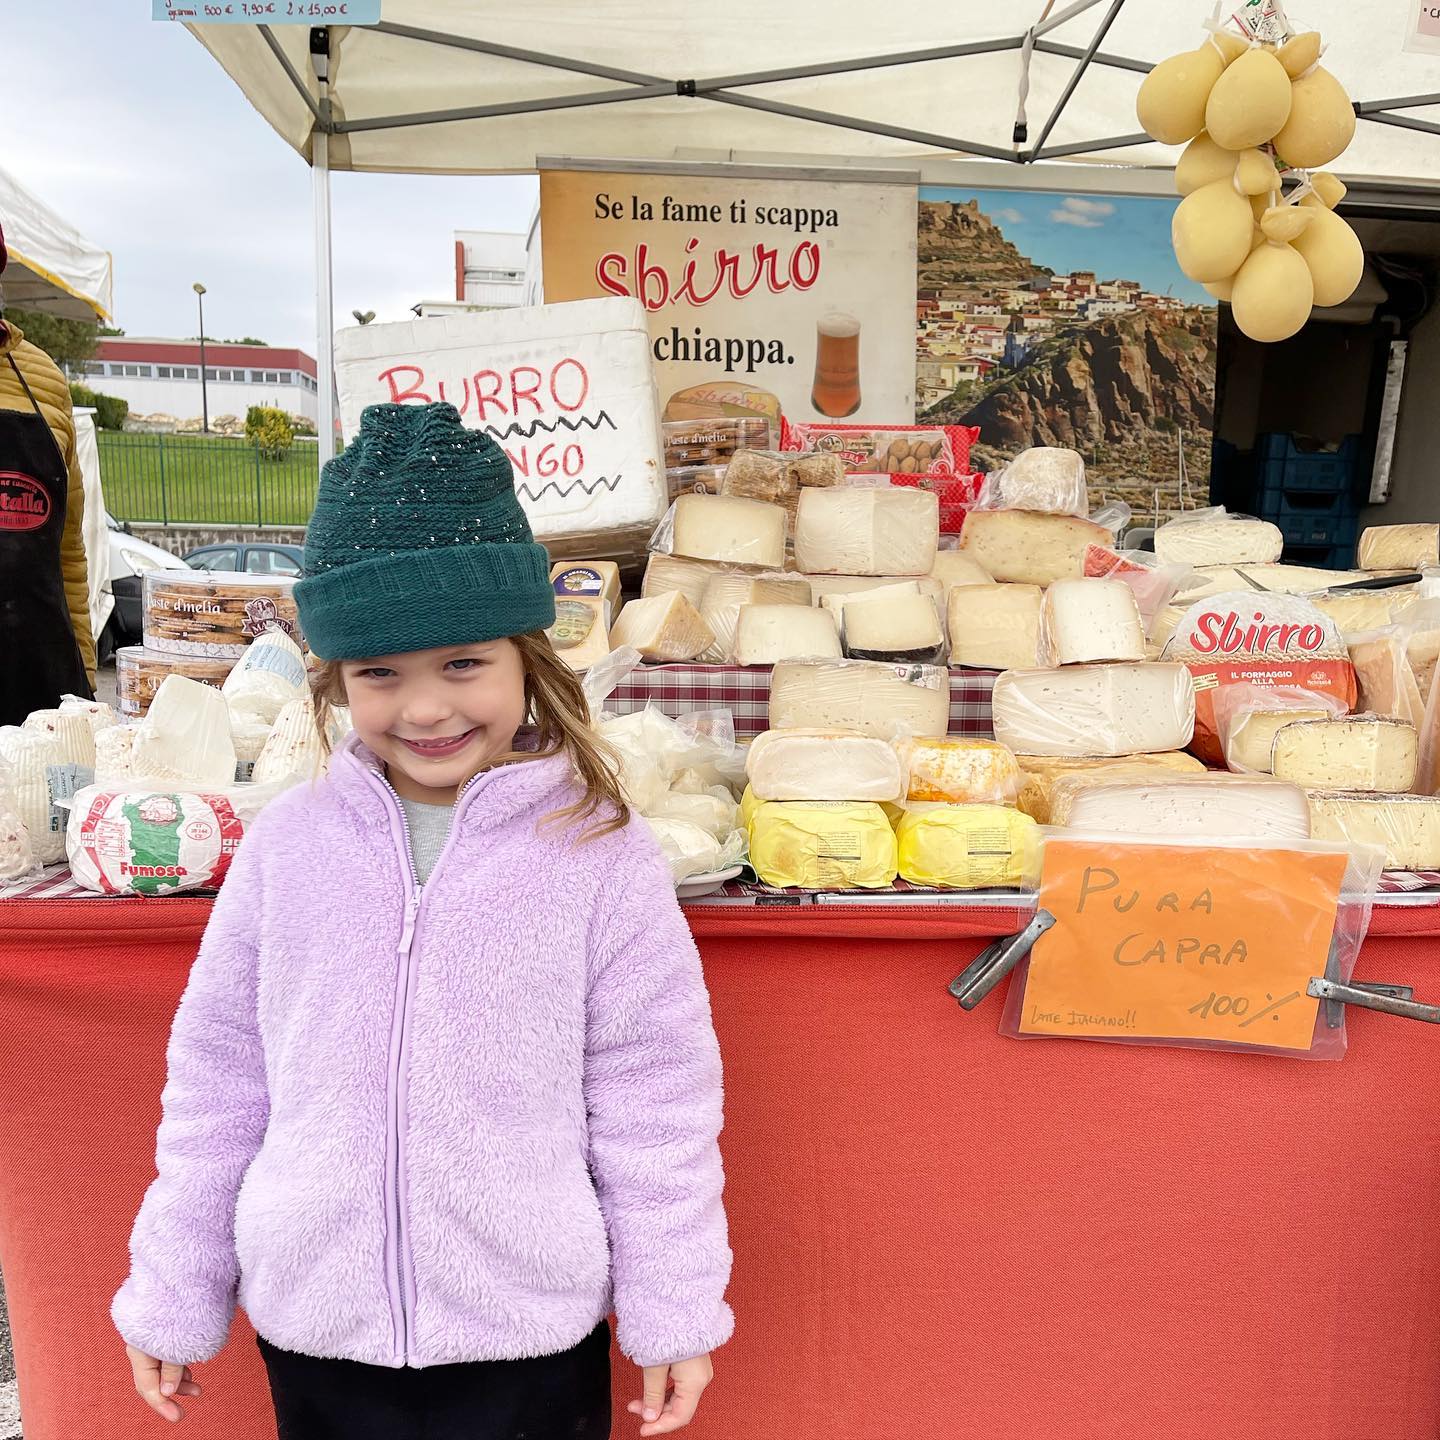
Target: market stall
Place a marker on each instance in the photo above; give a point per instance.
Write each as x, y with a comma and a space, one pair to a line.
53, 267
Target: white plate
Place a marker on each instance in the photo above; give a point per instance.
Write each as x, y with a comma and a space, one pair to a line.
698, 885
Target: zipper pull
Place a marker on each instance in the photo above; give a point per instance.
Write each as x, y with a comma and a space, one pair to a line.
407, 933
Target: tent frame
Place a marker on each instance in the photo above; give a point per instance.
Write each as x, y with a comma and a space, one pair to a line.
723, 89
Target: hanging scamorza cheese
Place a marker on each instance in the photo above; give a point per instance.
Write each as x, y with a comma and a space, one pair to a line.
1239, 638
1249, 102
1170, 104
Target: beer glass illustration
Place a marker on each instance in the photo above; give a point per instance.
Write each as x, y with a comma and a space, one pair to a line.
836, 390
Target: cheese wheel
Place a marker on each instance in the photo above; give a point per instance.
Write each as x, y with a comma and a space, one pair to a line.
1211, 231
1363, 752
1249, 103
1170, 104
1398, 547
1273, 293
1321, 121
1203, 163
1333, 253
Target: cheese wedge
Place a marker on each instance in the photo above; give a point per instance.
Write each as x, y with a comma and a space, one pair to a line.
1183, 807
1406, 827
888, 701
1041, 773
1398, 547
1362, 752
739, 532
995, 627
849, 530
1083, 620
665, 628
1030, 548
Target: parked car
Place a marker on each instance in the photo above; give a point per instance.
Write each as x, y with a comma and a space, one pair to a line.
255, 559
130, 558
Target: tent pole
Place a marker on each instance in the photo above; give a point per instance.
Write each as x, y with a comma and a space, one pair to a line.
324, 294
1075, 78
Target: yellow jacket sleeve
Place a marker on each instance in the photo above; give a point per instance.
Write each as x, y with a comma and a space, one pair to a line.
72, 555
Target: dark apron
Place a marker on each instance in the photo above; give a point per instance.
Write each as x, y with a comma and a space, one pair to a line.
39, 655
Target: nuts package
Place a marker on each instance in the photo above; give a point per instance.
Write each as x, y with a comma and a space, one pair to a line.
892, 449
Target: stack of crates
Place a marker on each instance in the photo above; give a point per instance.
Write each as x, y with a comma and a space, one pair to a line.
1310, 494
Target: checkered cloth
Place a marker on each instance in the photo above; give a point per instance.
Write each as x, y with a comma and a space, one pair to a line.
744, 690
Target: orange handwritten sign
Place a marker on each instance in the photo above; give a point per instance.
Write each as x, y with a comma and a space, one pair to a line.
1181, 942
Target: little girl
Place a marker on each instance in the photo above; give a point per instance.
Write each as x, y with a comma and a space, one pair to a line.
443, 1082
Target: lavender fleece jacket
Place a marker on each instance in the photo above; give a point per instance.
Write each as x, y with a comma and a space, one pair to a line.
420, 1129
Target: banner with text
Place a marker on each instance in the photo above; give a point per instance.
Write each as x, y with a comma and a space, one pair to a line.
802, 289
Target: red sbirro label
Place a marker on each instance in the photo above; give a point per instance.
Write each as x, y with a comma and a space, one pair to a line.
1240, 638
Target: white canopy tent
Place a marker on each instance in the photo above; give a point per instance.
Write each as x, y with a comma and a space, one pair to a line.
483, 88
53, 267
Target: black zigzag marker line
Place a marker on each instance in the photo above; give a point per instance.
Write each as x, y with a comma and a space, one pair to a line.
585, 487
586, 422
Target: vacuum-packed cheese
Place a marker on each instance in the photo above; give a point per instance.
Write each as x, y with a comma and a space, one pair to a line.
836, 601
901, 628
597, 579
1362, 752
823, 845
1251, 736
1183, 807
1406, 826
968, 847
1082, 620
1039, 774
1226, 540
852, 587
954, 567
1047, 479
765, 634
1398, 547
580, 635
888, 701
1383, 678
724, 595
851, 530
722, 527
823, 765
1030, 548
667, 627
1356, 611
1095, 709
959, 772
995, 627
664, 573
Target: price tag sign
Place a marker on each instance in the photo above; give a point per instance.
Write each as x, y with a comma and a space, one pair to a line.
267, 12
1171, 942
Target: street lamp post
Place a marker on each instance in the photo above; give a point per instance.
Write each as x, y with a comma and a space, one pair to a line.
199, 290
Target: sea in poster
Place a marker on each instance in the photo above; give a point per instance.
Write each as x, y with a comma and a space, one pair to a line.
1049, 318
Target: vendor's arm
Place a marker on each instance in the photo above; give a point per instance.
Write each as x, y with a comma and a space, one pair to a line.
73, 564
179, 1300
653, 1092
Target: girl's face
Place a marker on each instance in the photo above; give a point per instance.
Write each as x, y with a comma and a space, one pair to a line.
437, 717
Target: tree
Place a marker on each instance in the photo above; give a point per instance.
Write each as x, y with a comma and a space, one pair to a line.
69, 343
246, 340
269, 430
111, 330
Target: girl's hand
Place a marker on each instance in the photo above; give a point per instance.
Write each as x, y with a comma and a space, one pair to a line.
158, 1381
662, 1415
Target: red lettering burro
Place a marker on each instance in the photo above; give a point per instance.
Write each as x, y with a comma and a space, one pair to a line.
522, 395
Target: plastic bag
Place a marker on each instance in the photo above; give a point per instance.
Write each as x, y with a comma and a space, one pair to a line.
1155, 584
1385, 684
712, 441
896, 449
17, 854
724, 528
1090, 620
1043, 478
959, 772
823, 765
1247, 717
266, 678
1213, 537
866, 696
819, 845
968, 847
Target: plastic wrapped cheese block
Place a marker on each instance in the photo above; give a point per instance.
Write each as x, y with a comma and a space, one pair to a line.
580, 635
765, 634
887, 701
1045, 479
968, 847
250, 735
1399, 547
1407, 827
71, 733
959, 772
849, 587
848, 530
711, 813
1218, 540
823, 765
1249, 738
749, 804
1184, 807
1084, 620
721, 527
1383, 678
1041, 773
1357, 611
294, 749
954, 567
995, 627
902, 628
1363, 752
667, 627
665, 573
1095, 709
689, 848
146, 839
185, 736
723, 596
112, 754
819, 845
266, 678
1030, 548
836, 601
590, 579
17, 855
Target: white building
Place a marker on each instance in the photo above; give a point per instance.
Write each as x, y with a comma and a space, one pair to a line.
162, 377
490, 268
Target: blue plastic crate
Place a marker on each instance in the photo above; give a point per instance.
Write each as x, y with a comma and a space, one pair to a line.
1321, 530
1308, 505
1321, 557
1283, 466
1286, 448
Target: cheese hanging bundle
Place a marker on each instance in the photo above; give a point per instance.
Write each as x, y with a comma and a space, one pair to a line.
1252, 112
1240, 638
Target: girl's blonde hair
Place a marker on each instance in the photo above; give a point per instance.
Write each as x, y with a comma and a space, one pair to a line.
555, 704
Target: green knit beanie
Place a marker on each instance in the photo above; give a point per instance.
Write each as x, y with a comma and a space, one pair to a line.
418, 540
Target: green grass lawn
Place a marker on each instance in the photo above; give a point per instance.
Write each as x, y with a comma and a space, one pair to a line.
200, 480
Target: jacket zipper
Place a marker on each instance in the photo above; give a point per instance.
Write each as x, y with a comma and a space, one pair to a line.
400, 1308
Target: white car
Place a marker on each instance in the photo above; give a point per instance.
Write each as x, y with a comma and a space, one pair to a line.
130, 558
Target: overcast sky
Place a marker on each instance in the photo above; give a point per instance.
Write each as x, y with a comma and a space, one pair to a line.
130, 131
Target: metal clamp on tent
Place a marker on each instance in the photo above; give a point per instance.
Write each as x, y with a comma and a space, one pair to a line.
1378, 995
996, 961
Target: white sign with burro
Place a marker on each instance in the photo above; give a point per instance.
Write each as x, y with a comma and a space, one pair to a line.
566, 390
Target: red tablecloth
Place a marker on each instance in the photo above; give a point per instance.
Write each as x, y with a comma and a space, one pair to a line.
938, 1232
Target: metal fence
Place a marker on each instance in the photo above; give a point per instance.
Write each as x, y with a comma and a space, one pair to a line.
205, 480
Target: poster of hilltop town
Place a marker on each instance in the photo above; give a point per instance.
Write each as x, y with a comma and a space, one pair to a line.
1054, 319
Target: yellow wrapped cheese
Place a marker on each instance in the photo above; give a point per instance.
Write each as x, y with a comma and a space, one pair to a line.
968, 847
1332, 252
749, 804
1040, 772
1171, 102
1249, 103
1321, 121
823, 845
960, 772
1212, 229
1273, 293
1203, 163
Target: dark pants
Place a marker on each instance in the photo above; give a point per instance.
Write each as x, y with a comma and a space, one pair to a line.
548, 1397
